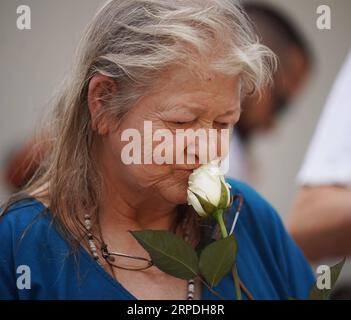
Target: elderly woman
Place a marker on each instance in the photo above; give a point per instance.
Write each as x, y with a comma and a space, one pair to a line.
176, 64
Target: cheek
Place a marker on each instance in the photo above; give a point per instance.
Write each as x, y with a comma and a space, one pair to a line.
174, 187
132, 159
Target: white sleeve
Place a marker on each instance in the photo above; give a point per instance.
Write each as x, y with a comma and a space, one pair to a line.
328, 160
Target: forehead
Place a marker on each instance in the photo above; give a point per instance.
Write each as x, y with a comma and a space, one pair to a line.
180, 85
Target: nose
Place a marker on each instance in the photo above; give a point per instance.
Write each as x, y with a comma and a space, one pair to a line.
210, 145
202, 150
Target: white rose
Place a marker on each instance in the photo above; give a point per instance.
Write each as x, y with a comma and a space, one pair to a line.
208, 190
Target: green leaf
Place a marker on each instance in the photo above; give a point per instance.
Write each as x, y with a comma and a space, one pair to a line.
323, 294
217, 259
202, 244
169, 253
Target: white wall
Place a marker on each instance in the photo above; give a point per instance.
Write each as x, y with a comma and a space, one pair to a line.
33, 62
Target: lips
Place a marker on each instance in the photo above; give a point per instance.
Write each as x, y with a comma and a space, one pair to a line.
187, 168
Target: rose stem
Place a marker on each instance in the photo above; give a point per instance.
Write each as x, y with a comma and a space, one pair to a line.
219, 217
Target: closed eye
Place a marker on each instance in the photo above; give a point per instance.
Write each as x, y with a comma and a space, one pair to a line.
183, 123
223, 124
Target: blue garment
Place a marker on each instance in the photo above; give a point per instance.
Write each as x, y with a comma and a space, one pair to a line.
269, 262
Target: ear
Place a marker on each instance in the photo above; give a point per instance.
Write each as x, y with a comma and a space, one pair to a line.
100, 87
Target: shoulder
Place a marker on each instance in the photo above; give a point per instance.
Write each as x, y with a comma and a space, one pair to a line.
26, 215
29, 239
257, 216
264, 241
244, 189
22, 211
254, 205
28, 232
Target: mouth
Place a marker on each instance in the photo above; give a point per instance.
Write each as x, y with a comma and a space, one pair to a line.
183, 174
187, 168
185, 171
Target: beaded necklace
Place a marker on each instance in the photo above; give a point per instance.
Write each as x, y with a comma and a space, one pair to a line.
93, 249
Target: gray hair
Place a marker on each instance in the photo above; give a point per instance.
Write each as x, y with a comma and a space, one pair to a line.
133, 40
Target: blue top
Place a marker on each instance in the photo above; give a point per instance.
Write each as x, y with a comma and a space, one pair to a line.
269, 262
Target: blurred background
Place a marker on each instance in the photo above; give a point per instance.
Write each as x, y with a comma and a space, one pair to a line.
33, 62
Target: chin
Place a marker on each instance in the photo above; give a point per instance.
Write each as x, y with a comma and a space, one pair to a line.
174, 187
179, 198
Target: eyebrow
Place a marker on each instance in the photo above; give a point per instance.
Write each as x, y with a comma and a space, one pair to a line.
189, 105
198, 107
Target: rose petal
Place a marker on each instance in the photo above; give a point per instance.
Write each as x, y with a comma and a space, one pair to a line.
194, 202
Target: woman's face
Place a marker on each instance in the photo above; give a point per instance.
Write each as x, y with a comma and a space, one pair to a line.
178, 100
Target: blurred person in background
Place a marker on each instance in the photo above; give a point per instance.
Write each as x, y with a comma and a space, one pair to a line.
260, 114
24, 161
320, 220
